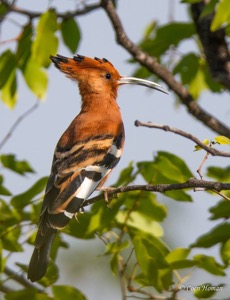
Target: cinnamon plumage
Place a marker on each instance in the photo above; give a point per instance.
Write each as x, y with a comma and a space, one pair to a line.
87, 151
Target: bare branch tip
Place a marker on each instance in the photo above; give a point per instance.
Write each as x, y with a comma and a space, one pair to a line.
137, 123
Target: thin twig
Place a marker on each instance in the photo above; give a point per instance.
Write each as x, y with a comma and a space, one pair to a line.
178, 286
151, 296
128, 259
187, 135
65, 15
201, 165
221, 194
14, 39
17, 122
122, 277
121, 265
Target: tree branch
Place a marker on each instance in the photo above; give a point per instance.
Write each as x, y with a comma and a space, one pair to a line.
187, 135
21, 279
65, 15
161, 188
214, 44
153, 66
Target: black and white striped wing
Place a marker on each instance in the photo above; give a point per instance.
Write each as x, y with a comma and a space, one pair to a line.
76, 173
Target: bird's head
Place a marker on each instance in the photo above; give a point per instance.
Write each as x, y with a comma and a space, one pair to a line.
97, 76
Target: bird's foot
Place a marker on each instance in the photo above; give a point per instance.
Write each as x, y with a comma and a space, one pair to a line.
106, 191
81, 211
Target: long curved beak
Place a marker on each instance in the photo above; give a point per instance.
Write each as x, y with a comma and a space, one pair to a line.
144, 82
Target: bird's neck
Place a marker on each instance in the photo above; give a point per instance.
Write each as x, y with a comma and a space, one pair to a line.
99, 103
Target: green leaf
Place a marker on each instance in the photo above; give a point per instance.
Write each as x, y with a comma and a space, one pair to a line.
57, 243
206, 142
145, 203
209, 8
220, 234
148, 206
220, 211
227, 30
225, 252
3, 190
199, 84
178, 195
7, 66
187, 67
194, 73
218, 173
114, 262
149, 29
177, 254
8, 216
70, 33
114, 249
167, 35
27, 293
151, 259
209, 264
166, 168
51, 275
206, 290
25, 198
24, 46
178, 258
10, 239
101, 217
139, 221
36, 78
183, 264
3, 9
45, 42
126, 176
170, 166
79, 228
63, 292
222, 15
222, 140
100, 220
9, 90
1, 258
21, 167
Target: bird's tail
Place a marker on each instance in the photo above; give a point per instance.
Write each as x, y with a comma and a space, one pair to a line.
40, 257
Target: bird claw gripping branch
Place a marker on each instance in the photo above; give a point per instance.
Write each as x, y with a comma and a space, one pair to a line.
87, 151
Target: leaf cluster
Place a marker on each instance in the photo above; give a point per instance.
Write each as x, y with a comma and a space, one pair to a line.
33, 45
130, 229
166, 43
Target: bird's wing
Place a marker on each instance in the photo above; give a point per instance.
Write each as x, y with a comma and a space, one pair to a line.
76, 173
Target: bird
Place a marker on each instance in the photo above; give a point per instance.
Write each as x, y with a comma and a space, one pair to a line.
87, 151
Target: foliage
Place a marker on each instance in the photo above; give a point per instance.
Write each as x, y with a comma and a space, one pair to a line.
131, 227
30, 57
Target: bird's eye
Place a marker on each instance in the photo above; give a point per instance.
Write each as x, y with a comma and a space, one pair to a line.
108, 76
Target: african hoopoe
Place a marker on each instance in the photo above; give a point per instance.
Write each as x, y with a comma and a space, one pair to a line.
87, 151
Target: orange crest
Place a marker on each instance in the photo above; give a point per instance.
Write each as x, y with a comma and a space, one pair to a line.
75, 67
